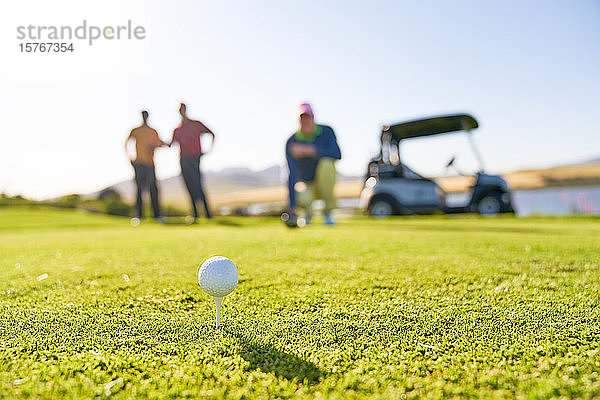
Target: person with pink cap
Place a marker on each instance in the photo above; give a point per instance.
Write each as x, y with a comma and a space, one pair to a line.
311, 153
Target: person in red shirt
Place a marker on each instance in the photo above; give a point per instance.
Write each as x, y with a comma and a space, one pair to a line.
188, 135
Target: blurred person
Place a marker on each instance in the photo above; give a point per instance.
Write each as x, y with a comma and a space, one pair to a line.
188, 135
311, 153
146, 141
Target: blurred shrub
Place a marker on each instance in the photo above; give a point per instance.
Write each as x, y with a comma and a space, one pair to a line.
116, 206
18, 200
108, 201
68, 201
109, 194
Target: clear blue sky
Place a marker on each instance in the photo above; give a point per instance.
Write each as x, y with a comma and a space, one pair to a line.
527, 70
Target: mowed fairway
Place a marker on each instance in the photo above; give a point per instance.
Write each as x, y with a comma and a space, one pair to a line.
433, 307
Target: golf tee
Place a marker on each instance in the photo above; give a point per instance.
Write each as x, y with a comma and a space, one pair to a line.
218, 301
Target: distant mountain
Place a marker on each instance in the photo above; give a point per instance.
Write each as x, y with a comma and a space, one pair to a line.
242, 176
228, 180
232, 187
592, 161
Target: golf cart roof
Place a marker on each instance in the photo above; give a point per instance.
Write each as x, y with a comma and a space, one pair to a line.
431, 126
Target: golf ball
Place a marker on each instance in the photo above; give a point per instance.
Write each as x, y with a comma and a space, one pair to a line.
218, 276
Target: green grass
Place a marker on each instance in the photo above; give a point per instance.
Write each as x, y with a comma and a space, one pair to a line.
434, 307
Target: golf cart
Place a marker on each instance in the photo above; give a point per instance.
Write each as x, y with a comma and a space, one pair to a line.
392, 188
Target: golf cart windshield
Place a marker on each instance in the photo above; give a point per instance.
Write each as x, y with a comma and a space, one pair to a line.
392, 135
430, 126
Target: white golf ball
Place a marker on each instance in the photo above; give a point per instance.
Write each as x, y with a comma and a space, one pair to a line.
218, 276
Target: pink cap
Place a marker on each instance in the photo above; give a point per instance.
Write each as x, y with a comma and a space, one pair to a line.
305, 108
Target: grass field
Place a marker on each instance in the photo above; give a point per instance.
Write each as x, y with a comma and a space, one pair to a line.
431, 307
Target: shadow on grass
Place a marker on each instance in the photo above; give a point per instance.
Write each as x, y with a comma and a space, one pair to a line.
227, 222
175, 221
270, 360
178, 221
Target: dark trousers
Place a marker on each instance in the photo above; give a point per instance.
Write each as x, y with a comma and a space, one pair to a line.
145, 178
190, 169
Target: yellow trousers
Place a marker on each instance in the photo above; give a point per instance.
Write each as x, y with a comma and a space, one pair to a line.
321, 188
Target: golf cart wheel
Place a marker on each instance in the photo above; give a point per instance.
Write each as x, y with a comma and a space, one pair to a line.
490, 204
382, 206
